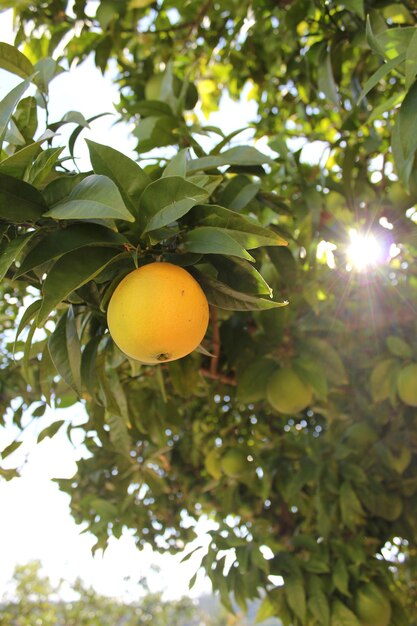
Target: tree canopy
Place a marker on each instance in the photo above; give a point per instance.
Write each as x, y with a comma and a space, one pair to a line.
294, 424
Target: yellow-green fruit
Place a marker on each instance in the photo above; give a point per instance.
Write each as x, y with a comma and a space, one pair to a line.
158, 313
407, 384
372, 606
287, 393
234, 463
213, 464
361, 435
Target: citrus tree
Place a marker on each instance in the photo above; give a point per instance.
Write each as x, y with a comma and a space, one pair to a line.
292, 423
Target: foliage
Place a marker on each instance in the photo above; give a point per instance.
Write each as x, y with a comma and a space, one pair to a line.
37, 600
326, 489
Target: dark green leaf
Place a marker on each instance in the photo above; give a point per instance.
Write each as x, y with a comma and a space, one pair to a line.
70, 272
295, 594
19, 202
10, 251
252, 382
244, 230
168, 199
65, 240
225, 297
95, 197
17, 164
244, 155
214, 240
130, 179
59, 350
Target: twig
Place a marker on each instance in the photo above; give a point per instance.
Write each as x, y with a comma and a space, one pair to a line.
225, 380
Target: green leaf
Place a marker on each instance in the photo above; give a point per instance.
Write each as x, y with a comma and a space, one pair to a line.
244, 230
26, 117
356, 6
224, 297
214, 240
342, 616
252, 382
265, 611
8, 105
295, 594
325, 76
130, 179
382, 378
10, 449
167, 199
404, 135
28, 315
75, 236
19, 201
47, 372
119, 434
340, 577
59, 350
398, 347
43, 166
17, 164
242, 155
156, 132
70, 272
73, 349
350, 507
88, 366
377, 76
12, 60
50, 430
46, 69
387, 505
318, 602
411, 61
241, 275
139, 4
329, 360
10, 251
178, 165
95, 197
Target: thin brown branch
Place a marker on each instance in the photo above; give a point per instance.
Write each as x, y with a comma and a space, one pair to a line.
225, 380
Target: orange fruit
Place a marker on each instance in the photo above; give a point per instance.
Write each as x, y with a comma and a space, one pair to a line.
158, 313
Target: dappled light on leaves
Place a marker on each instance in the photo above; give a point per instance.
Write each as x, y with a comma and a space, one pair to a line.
290, 419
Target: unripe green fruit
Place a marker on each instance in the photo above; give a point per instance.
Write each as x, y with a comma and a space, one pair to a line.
213, 465
287, 393
234, 463
372, 607
407, 384
361, 435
